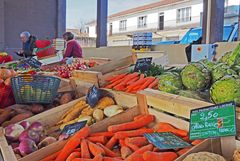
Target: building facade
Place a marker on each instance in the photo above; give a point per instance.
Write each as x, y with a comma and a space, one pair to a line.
167, 19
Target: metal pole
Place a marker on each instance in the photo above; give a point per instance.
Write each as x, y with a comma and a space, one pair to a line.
102, 13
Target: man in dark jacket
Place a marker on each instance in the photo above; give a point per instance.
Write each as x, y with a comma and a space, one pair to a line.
29, 43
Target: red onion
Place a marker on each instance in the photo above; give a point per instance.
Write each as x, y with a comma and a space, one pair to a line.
47, 141
16, 150
30, 134
25, 124
27, 146
37, 127
13, 131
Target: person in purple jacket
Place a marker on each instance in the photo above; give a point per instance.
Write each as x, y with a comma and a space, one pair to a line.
73, 48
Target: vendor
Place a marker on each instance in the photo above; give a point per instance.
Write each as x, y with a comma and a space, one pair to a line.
29, 43
73, 48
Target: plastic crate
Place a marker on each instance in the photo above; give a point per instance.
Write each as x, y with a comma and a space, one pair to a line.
40, 89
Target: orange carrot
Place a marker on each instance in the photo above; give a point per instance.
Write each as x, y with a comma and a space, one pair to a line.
130, 145
142, 76
83, 133
98, 139
153, 156
196, 142
111, 143
154, 83
129, 78
68, 149
107, 151
114, 83
155, 149
137, 83
138, 141
98, 157
73, 155
107, 134
147, 83
125, 152
120, 87
140, 151
122, 142
133, 81
137, 157
111, 159
82, 159
51, 156
145, 120
136, 88
120, 76
166, 127
186, 138
183, 151
84, 149
77, 149
95, 149
138, 117
132, 133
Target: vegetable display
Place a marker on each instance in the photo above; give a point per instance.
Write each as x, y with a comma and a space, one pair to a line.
121, 142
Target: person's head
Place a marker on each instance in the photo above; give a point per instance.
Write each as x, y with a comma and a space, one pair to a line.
25, 36
68, 36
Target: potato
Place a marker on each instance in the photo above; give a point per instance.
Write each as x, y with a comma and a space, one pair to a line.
98, 115
66, 97
112, 110
36, 109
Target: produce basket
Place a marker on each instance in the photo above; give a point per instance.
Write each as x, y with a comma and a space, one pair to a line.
29, 89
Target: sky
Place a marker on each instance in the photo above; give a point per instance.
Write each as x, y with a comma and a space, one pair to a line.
82, 11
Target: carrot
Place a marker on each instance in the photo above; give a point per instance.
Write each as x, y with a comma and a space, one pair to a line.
140, 151
120, 76
155, 149
122, 142
111, 143
137, 83
137, 157
133, 133
166, 127
131, 145
99, 157
154, 83
196, 142
129, 78
136, 88
132, 81
125, 152
186, 138
82, 159
84, 149
111, 159
68, 149
73, 155
83, 133
120, 87
114, 83
183, 151
147, 83
107, 151
153, 156
106, 134
95, 149
138, 117
138, 141
51, 156
98, 139
77, 149
142, 76
141, 122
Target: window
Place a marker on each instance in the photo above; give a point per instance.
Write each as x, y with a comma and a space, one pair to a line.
110, 29
161, 21
184, 15
123, 25
142, 22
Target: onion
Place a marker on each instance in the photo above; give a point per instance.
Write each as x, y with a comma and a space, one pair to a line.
27, 146
13, 131
25, 124
30, 134
16, 150
37, 127
14, 145
63, 137
47, 141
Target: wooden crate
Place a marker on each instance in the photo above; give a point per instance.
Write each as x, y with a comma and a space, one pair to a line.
51, 117
209, 145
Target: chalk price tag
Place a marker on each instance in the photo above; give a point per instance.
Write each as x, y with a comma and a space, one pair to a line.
143, 64
166, 140
73, 128
213, 121
34, 63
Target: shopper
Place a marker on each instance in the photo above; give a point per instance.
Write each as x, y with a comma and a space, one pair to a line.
73, 48
28, 44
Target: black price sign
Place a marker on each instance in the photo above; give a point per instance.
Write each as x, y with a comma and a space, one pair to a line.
166, 140
33, 63
73, 128
143, 64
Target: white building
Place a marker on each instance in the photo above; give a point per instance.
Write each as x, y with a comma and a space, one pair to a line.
167, 19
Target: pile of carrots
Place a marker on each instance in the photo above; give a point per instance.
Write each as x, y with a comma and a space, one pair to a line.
131, 83
120, 142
